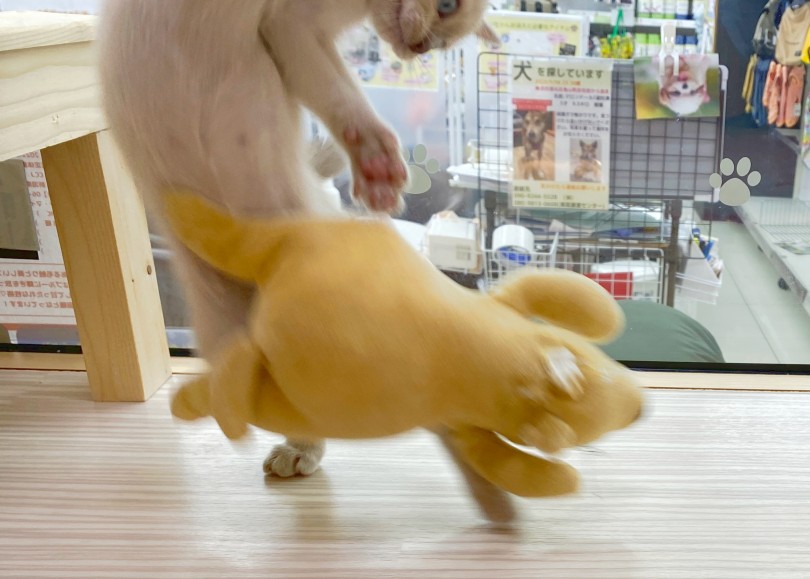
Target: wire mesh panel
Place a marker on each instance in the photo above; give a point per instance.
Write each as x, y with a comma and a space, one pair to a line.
660, 159
655, 165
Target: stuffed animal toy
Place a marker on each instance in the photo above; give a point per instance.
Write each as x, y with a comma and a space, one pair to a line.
356, 335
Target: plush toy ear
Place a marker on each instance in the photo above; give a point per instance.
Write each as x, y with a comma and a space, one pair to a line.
495, 504
511, 469
235, 382
550, 434
566, 299
192, 400
486, 33
227, 393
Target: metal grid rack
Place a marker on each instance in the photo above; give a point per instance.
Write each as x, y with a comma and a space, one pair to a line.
786, 220
655, 165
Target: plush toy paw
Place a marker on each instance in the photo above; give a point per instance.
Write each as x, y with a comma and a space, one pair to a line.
294, 458
512, 469
379, 172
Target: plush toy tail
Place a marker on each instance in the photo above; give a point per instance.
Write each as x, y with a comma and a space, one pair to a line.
566, 299
326, 158
239, 247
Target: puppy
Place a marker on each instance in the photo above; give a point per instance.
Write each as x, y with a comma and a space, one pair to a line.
535, 125
588, 168
684, 93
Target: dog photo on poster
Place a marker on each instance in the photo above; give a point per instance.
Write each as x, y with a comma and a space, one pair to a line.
561, 128
669, 91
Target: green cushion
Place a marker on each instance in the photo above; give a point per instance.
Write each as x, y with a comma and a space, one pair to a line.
657, 333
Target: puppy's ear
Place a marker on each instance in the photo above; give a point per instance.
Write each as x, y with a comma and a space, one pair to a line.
486, 33
663, 97
707, 98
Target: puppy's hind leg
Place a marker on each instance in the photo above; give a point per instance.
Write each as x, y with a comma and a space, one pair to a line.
260, 167
295, 457
219, 307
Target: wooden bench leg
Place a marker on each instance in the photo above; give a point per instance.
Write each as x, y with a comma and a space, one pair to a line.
111, 273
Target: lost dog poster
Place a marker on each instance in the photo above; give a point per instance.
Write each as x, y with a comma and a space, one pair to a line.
562, 116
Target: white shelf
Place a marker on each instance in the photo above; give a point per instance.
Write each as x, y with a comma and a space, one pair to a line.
793, 268
658, 22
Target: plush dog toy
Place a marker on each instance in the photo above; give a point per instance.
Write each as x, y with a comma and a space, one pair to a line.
356, 335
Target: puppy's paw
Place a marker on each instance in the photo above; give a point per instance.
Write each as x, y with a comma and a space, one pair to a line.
294, 458
379, 172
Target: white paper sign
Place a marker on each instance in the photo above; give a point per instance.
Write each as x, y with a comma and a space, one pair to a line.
562, 116
35, 291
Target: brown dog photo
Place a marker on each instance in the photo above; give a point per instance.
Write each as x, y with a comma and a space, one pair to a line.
534, 156
586, 160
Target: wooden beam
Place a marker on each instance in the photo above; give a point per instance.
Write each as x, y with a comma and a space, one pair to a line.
105, 242
652, 380
716, 381
49, 93
75, 363
28, 29
47, 96
42, 362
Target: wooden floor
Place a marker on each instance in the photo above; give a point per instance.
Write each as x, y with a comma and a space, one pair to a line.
710, 484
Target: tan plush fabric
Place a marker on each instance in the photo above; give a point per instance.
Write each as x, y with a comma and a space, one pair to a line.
355, 335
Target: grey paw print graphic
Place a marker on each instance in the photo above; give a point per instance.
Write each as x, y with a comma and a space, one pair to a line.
420, 168
734, 191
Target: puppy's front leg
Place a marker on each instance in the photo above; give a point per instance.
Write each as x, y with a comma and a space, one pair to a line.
495, 504
328, 89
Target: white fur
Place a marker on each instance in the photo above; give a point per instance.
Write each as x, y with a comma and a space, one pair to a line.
207, 95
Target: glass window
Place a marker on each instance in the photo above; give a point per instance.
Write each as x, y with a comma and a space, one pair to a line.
683, 188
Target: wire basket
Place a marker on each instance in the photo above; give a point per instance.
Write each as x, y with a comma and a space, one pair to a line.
626, 273
499, 263
786, 220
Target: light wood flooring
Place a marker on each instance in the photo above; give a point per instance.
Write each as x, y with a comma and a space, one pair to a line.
710, 484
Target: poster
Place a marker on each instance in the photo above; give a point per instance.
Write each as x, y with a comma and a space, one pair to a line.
529, 34
562, 120
376, 65
693, 90
34, 287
